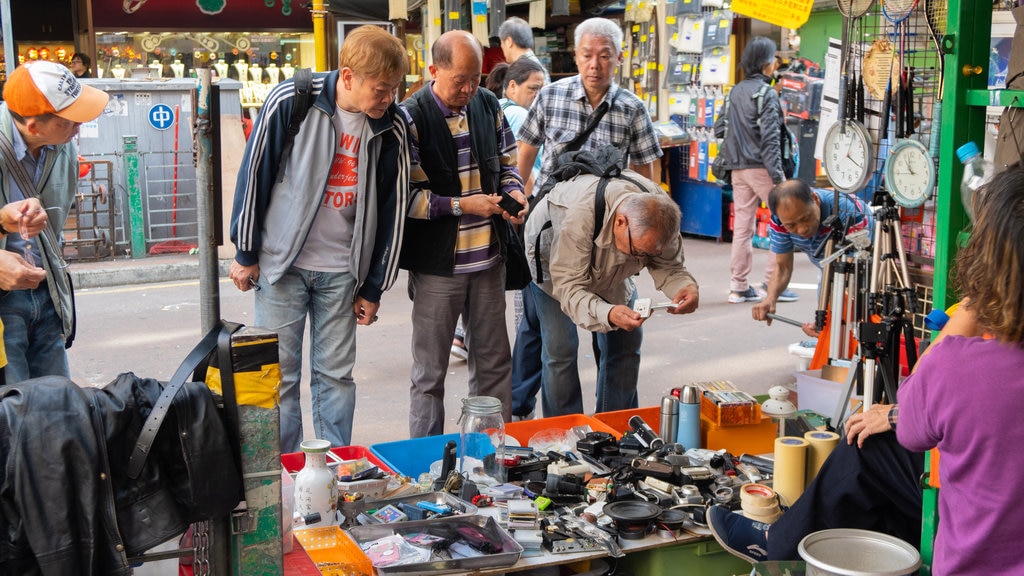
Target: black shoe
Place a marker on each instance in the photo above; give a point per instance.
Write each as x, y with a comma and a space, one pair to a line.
739, 535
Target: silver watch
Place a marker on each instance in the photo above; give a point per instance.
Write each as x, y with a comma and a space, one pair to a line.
456, 207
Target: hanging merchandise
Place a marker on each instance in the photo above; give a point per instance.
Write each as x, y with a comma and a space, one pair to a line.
714, 67
717, 28
680, 70
688, 7
876, 69
909, 173
689, 36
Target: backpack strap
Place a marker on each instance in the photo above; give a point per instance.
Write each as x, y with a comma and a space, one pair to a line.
759, 96
599, 203
303, 79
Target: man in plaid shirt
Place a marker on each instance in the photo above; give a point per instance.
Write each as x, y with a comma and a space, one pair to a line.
558, 115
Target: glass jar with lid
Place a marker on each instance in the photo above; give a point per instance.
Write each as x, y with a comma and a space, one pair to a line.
482, 440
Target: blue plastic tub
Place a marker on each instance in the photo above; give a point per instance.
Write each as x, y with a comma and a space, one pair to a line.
414, 457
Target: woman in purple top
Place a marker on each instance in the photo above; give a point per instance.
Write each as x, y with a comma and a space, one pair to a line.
966, 395
964, 398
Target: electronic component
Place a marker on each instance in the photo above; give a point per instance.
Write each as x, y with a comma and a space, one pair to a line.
390, 514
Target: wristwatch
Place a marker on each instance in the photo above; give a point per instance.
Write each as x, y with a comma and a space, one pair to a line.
456, 207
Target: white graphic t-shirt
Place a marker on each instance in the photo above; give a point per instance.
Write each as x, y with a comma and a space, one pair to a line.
329, 244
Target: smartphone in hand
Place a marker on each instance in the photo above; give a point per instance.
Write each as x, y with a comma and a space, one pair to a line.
509, 204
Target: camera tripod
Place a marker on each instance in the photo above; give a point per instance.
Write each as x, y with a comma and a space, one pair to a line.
889, 303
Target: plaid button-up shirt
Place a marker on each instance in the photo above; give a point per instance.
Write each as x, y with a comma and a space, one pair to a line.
561, 110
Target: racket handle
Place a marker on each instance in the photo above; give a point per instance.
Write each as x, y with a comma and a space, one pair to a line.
842, 95
933, 140
883, 130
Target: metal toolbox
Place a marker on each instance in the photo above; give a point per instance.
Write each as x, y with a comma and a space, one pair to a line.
440, 562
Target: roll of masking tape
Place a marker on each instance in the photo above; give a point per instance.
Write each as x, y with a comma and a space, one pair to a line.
790, 468
822, 443
759, 503
757, 496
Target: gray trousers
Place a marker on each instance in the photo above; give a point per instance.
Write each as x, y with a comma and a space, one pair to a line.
437, 302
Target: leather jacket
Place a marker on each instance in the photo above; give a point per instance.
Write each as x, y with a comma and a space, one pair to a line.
66, 505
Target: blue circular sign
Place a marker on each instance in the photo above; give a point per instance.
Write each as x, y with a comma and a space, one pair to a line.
161, 116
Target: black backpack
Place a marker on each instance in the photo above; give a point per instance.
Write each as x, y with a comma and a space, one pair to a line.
605, 162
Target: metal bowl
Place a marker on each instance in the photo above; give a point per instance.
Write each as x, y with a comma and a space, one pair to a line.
852, 552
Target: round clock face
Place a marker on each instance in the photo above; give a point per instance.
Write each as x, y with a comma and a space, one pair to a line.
909, 173
849, 156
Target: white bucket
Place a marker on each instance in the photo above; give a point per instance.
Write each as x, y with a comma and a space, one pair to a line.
852, 552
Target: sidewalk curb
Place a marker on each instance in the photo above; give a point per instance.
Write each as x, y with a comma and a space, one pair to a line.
144, 271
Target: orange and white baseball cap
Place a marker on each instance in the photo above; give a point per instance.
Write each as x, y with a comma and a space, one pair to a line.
41, 87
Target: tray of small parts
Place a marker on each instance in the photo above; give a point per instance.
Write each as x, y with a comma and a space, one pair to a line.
437, 546
420, 506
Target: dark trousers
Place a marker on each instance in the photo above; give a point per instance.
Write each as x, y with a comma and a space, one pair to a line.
874, 488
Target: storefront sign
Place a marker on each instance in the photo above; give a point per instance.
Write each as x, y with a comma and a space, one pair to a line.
784, 13
161, 116
205, 15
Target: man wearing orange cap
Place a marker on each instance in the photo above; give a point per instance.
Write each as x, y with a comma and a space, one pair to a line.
44, 104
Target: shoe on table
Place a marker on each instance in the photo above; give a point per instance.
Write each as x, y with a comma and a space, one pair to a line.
739, 535
786, 296
748, 295
459, 350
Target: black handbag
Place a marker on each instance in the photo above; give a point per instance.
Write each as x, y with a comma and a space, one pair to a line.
517, 268
185, 462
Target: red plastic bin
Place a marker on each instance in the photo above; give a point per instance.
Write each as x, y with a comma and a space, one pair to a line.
619, 419
525, 429
294, 461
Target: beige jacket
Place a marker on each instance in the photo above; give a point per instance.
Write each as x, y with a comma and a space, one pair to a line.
590, 276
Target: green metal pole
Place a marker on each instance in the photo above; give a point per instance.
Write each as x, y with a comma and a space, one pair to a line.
131, 176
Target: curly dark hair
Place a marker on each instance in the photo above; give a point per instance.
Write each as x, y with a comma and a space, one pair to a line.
989, 271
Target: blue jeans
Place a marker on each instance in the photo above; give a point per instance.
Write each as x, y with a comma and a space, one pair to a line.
33, 335
618, 365
326, 297
560, 375
526, 359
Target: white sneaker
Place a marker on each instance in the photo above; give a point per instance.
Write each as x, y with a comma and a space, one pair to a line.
459, 351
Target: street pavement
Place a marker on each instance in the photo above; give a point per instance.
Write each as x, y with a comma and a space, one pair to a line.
143, 315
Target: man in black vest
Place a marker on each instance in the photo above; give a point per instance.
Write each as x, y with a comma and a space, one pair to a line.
463, 156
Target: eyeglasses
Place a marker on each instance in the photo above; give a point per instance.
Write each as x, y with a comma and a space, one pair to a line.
632, 251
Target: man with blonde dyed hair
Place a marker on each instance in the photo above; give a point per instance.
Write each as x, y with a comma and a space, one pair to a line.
322, 237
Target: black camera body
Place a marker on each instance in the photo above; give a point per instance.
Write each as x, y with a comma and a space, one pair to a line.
595, 443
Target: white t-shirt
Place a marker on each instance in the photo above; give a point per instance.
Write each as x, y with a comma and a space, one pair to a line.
329, 244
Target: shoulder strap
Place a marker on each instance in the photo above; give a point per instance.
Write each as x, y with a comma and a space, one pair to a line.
28, 189
592, 123
303, 79
599, 203
219, 338
759, 96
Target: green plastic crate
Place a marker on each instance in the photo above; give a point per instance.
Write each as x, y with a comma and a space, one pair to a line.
704, 558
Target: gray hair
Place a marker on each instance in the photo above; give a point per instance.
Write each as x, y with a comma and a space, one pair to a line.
518, 30
602, 28
760, 52
648, 212
795, 189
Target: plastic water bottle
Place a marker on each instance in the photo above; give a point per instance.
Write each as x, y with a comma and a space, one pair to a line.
977, 172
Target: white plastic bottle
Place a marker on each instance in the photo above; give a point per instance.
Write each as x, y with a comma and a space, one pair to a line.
977, 172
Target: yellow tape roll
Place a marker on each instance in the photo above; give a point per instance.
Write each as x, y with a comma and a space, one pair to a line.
790, 468
821, 443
